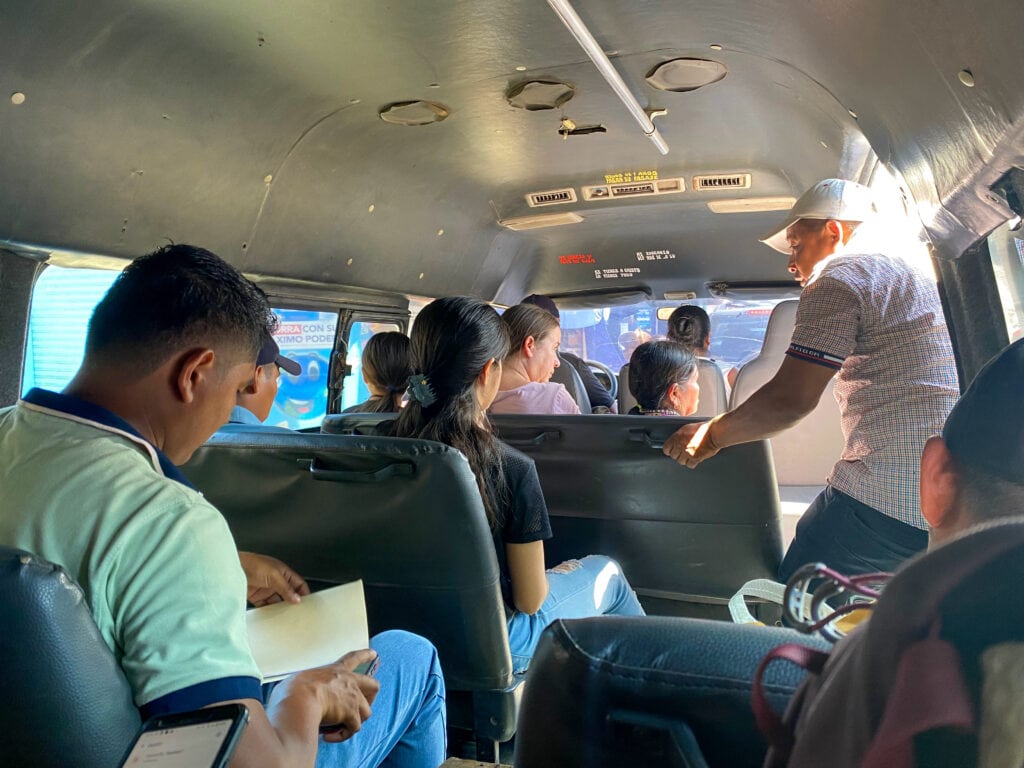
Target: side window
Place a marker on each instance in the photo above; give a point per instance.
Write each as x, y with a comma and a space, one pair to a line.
62, 303
355, 390
1007, 251
308, 338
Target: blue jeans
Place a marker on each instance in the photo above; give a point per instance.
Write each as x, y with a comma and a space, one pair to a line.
577, 589
408, 725
850, 537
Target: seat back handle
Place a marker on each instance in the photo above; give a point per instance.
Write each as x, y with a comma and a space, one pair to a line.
645, 437
395, 469
538, 439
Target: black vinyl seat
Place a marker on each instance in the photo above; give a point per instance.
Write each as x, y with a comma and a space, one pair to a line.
406, 517
617, 691
65, 699
566, 375
686, 539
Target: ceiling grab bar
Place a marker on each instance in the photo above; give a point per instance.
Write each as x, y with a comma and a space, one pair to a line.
604, 65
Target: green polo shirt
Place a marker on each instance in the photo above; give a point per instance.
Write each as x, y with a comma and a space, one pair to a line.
156, 561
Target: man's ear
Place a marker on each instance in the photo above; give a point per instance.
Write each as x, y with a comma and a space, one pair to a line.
835, 231
257, 384
195, 367
940, 485
529, 346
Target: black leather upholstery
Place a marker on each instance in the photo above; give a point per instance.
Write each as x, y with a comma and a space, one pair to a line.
65, 700
686, 539
566, 375
600, 691
406, 517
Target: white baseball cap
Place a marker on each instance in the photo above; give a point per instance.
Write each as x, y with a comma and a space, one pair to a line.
835, 199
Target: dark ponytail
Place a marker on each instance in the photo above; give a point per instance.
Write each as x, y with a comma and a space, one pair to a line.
386, 366
451, 341
690, 326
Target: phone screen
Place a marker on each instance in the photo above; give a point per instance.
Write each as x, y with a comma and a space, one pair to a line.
165, 743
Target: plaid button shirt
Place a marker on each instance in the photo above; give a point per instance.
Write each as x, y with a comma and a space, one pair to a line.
879, 322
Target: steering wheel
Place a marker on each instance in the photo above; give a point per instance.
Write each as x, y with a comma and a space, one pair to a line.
613, 379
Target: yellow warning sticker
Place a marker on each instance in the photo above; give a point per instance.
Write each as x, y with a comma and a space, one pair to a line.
628, 177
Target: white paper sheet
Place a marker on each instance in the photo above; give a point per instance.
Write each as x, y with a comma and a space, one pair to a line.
287, 638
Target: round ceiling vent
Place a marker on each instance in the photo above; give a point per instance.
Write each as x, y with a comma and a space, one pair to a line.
681, 75
534, 95
414, 113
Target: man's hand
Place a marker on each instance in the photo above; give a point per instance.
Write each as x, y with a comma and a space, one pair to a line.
691, 444
268, 580
345, 697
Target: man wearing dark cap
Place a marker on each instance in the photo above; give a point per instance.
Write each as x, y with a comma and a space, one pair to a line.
974, 472
875, 323
599, 396
256, 400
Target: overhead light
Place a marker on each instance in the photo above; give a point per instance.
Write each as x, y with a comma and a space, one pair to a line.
534, 95
751, 204
676, 296
413, 113
541, 220
685, 74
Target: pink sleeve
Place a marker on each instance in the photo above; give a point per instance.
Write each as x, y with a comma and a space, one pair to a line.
564, 402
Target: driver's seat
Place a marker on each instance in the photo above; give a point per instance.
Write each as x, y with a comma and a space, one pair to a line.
566, 375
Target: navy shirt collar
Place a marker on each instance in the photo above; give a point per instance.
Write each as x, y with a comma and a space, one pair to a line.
83, 409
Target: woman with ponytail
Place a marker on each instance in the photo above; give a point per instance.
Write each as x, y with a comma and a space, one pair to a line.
386, 373
690, 326
457, 345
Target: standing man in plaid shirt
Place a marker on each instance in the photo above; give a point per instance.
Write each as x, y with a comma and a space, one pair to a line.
876, 324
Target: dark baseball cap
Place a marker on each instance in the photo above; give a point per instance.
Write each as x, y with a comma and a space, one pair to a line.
985, 429
542, 301
271, 353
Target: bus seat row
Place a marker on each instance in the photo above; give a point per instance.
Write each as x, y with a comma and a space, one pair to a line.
406, 517
686, 539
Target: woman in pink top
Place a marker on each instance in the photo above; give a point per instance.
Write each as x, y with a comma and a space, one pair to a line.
525, 375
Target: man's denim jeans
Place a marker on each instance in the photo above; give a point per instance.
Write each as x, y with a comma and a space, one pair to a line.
408, 725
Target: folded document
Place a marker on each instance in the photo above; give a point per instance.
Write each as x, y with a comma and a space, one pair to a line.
286, 638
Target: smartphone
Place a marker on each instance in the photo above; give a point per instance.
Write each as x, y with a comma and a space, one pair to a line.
370, 669
203, 738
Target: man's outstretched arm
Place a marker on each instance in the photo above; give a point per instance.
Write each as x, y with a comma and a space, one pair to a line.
791, 394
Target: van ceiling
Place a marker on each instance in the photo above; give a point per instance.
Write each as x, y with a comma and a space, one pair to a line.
252, 128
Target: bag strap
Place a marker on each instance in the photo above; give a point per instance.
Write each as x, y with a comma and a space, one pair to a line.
778, 734
764, 589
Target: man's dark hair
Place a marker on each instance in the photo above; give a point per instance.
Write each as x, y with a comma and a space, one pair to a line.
177, 296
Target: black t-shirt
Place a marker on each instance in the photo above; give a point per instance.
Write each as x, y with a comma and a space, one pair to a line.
521, 511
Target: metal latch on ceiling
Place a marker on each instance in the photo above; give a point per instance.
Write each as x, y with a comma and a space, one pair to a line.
604, 65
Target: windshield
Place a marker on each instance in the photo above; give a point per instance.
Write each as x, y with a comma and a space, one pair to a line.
609, 335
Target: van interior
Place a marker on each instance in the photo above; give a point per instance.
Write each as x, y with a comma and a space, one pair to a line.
358, 159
